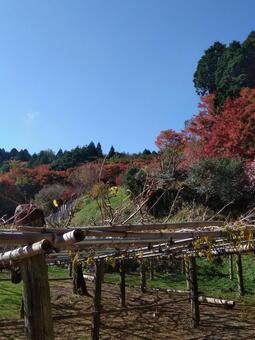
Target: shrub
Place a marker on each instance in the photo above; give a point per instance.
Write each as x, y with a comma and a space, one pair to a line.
134, 180
219, 181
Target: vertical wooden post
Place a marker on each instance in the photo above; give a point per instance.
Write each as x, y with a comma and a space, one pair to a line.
70, 269
122, 284
79, 284
97, 300
239, 273
143, 276
230, 267
36, 294
187, 273
194, 292
151, 269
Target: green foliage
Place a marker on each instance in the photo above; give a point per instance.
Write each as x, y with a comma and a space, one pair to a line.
134, 180
205, 75
4, 167
218, 181
225, 70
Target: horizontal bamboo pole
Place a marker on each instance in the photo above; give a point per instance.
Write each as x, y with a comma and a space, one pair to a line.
26, 251
69, 238
158, 226
216, 301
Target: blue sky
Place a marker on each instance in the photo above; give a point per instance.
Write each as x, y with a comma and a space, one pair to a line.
114, 71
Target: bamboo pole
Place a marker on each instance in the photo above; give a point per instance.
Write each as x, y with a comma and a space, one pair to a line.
239, 273
95, 330
122, 284
22, 253
216, 301
194, 292
157, 226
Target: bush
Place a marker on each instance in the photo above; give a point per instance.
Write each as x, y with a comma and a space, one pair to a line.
134, 180
219, 181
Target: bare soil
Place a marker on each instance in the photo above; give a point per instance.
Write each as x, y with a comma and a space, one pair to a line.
171, 321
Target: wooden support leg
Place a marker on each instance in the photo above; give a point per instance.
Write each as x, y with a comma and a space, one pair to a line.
230, 267
239, 273
143, 277
97, 300
122, 284
36, 295
79, 284
187, 273
194, 292
71, 269
151, 269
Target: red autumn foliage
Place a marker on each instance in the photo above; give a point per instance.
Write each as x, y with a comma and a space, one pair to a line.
170, 139
230, 133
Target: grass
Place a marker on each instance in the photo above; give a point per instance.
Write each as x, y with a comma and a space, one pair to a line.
11, 294
88, 212
213, 280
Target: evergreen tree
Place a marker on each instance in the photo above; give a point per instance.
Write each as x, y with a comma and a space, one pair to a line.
99, 150
111, 152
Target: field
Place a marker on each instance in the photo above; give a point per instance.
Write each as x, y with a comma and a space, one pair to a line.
170, 321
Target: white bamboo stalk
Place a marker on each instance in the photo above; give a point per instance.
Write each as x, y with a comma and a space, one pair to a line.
26, 251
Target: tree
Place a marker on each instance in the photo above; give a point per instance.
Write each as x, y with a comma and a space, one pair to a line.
171, 145
112, 152
204, 77
99, 150
231, 74
229, 134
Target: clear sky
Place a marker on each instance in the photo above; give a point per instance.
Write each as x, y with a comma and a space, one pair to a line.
114, 71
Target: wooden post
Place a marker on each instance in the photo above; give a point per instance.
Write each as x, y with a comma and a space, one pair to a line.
36, 294
143, 276
70, 269
230, 267
194, 292
122, 284
187, 273
239, 273
151, 269
97, 300
79, 283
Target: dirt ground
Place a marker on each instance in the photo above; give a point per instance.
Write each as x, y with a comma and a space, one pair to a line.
171, 321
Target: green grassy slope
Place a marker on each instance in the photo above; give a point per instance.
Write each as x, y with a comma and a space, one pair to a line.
88, 212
